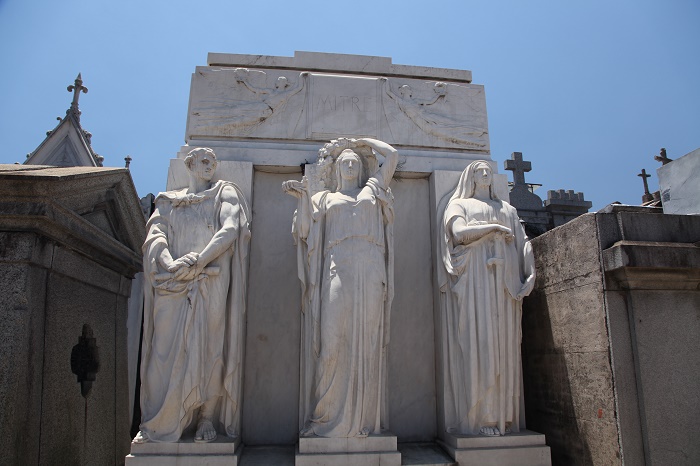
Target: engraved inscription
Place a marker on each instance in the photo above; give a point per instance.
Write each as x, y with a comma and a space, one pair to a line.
344, 103
351, 112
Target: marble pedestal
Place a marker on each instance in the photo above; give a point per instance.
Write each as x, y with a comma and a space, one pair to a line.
373, 450
525, 448
222, 451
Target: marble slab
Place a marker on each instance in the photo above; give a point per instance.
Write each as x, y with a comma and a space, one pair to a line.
349, 459
320, 61
373, 450
222, 451
382, 442
679, 184
525, 448
301, 104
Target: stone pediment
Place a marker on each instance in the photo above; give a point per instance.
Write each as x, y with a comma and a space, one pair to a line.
64, 146
92, 209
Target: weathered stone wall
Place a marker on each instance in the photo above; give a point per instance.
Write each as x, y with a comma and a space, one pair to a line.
568, 378
60, 270
610, 339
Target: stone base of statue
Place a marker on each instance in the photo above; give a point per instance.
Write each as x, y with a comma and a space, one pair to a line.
525, 448
373, 450
222, 451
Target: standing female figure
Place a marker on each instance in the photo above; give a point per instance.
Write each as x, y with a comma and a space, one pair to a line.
488, 269
344, 238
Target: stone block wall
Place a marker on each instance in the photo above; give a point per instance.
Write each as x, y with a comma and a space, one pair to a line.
60, 272
610, 347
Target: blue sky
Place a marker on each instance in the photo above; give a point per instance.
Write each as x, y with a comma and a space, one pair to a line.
588, 91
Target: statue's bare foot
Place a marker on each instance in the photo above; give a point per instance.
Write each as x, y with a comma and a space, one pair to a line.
491, 431
307, 432
141, 437
363, 433
205, 432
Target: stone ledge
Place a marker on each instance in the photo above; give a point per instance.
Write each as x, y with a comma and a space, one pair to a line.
348, 459
222, 451
524, 438
359, 64
653, 265
526, 448
372, 443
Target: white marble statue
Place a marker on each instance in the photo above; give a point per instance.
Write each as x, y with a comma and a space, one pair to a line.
488, 267
345, 251
195, 258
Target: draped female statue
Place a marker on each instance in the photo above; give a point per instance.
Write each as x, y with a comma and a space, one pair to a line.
195, 258
488, 268
343, 230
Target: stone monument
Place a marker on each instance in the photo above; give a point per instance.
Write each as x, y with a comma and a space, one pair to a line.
195, 266
344, 234
266, 117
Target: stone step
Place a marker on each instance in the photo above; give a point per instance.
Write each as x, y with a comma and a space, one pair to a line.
223, 451
268, 455
524, 438
378, 442
525, 448
424, 454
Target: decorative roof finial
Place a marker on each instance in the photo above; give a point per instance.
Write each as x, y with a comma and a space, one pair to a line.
75, 89
128, 161
662, 157
647, 195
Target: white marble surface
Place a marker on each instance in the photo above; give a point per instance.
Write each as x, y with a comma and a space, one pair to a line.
679, 184
379, 442
335, 62
195, 264
349, 459
487, 269
287, 156
522, 449
263, 103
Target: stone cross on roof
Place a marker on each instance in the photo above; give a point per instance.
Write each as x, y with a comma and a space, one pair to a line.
76, 89
662, 157
644, 176
518, 166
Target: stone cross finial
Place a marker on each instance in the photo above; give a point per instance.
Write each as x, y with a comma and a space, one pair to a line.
76, 88
128, 161
644, 176
662, 157
518, 166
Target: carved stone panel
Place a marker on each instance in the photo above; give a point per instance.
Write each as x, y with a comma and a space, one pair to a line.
343, 105
269, 104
